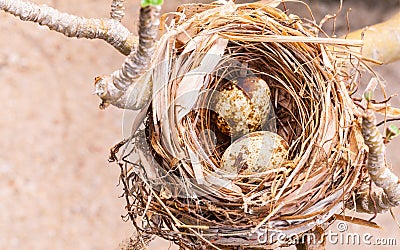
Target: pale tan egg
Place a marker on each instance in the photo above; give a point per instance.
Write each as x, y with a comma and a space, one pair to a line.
253, 153
242, 106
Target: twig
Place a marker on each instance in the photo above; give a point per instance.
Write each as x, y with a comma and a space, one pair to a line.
113, 89
380, 40
138, 60
117, 10
109, 30
387, 120
387, 195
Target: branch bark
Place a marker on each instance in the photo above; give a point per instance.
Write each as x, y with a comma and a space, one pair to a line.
109, 30
381, 41
117, 10
123, 88
387, 193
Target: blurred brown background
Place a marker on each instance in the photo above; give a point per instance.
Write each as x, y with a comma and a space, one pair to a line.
57, 190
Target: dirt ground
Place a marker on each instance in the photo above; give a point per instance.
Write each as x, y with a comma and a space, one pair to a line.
57, 190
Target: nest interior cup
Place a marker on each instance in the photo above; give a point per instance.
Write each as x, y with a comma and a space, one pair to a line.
172, 169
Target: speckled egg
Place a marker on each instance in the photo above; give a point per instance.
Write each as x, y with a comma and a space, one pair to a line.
254, 153
242, 106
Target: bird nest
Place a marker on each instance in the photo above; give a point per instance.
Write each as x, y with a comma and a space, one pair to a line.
171, 166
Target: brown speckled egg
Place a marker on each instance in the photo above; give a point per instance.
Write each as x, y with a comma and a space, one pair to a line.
242, 106
254, 153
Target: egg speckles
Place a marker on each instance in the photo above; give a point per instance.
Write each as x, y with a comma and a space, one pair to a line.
242, 106
254, 153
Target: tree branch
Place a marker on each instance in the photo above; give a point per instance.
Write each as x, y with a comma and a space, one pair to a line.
371, 200
381, 41
113, 89
387, 193
109, 30
117, 10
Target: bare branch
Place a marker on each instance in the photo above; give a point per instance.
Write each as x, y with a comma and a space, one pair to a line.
110, 30
117, 10
372, 200
137, 61
381, 41
114, 89
387, 193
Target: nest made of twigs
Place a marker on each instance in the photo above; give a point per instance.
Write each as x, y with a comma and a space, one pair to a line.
171, 176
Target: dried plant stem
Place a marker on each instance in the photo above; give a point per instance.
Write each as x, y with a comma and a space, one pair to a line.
387, 195
109, 30
117, 10
381, 40
114, 89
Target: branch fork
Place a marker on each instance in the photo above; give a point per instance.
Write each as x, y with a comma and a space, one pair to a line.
385, 193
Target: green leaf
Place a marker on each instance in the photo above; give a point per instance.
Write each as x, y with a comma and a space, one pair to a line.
146, 3
392, 131
368, 95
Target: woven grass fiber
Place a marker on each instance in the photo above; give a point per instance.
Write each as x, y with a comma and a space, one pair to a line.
170, 166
